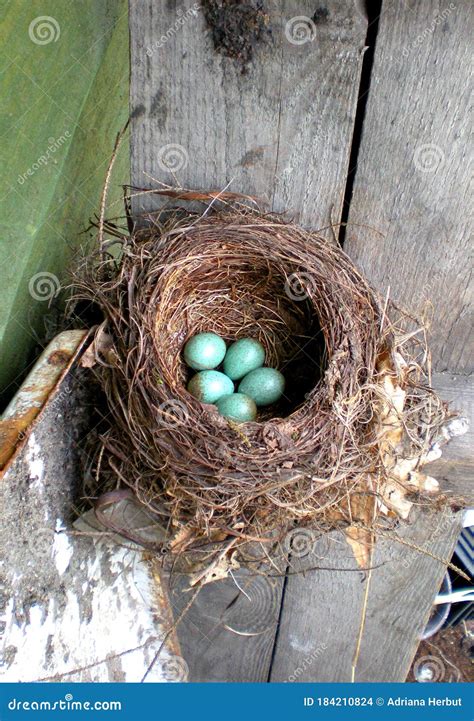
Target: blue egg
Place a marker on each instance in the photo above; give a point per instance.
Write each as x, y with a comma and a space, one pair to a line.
242, 357
204, 351
209, 386
238, 407
264, 385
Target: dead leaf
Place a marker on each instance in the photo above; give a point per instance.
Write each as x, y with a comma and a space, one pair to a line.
101, 345
217, 571
361, 541
181, 539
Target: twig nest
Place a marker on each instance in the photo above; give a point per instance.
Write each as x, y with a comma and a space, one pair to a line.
356, 402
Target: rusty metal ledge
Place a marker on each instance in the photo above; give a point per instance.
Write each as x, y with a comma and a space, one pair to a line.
40, 385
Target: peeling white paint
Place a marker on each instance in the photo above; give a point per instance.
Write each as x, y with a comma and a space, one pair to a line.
78, 608
35, 463
300, 644
62, 550
105, 630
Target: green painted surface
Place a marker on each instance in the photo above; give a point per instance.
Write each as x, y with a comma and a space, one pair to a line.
64, 98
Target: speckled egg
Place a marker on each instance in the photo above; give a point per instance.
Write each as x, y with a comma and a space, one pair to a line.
238, 407
242, 357
264, 385
209, 386
204, 351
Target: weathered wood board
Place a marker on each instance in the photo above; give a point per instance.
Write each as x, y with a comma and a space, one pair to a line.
455, 469
413, 185
281, 131
322, 611
229, 635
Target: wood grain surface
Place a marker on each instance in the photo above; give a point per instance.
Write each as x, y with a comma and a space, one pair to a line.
455, 469
280, 131
413, 185
322, 611
229, 634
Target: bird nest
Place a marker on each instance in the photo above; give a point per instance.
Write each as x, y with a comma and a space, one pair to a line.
345, 445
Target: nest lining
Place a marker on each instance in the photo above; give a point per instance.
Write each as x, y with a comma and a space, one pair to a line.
239, 273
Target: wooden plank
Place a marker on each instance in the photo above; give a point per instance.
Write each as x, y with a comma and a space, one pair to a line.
322, 611
228, 635
414, 171
281, 131
455, 469
423, 254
